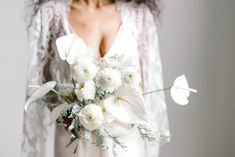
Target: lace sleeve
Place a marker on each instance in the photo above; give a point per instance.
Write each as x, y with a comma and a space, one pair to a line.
151, 68
37, 139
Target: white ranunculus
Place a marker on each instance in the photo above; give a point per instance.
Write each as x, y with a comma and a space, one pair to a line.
108, 79
70, 47
180, 90
85, 91
126, 105
130, 76
91, 117
84, 69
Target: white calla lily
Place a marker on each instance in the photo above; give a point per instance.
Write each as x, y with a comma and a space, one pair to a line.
108, 118
127, 105
180, 90
40, 92
69, 47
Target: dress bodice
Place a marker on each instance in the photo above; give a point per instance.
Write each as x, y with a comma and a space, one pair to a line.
124, 44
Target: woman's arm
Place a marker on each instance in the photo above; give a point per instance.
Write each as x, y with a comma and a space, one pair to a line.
37, 128
151, 68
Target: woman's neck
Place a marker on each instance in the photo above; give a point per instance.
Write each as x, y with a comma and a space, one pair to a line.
92, 3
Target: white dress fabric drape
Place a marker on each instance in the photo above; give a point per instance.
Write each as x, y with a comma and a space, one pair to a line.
137, 41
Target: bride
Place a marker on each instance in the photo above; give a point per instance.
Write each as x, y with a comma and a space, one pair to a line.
105, 27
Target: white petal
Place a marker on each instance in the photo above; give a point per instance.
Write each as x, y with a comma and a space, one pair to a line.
179, 92
69, 46
56, 111
126, 106
180, 96
108, 118
40, 92
181, 81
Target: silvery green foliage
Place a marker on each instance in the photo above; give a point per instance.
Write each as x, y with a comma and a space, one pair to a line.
149, 134
99, 141
75, 111
115, 139
63, 115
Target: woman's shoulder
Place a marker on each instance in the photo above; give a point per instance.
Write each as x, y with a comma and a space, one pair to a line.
136, 11
134, 6
53, 7
51, 12
138, 15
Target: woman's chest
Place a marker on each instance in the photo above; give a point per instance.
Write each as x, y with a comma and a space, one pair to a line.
98, 27
124, 42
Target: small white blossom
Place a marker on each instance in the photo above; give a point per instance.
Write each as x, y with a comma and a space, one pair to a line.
85, 91
91, 117
108, 79
84, 69
131, 76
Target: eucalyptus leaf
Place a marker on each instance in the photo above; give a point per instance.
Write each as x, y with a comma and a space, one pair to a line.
40, 92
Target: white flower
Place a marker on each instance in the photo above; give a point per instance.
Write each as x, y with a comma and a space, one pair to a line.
70, 47
180, 90
108, 118
127, 105
85, 91
131, 76
108, 79
91, 117
84, 69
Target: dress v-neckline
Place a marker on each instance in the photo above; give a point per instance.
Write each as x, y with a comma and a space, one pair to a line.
71, 30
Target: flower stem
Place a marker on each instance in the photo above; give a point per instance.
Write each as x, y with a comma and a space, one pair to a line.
157, 90
73, 81
60, 95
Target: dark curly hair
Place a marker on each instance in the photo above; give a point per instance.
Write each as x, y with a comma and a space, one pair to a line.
32, 7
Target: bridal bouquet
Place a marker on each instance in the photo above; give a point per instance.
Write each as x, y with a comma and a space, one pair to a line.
105, 100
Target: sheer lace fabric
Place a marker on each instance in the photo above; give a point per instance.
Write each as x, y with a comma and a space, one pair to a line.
139, 32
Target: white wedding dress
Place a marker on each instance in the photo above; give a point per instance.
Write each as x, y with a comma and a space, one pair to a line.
137, 42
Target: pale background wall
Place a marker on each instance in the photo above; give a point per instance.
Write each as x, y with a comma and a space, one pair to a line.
197, 38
